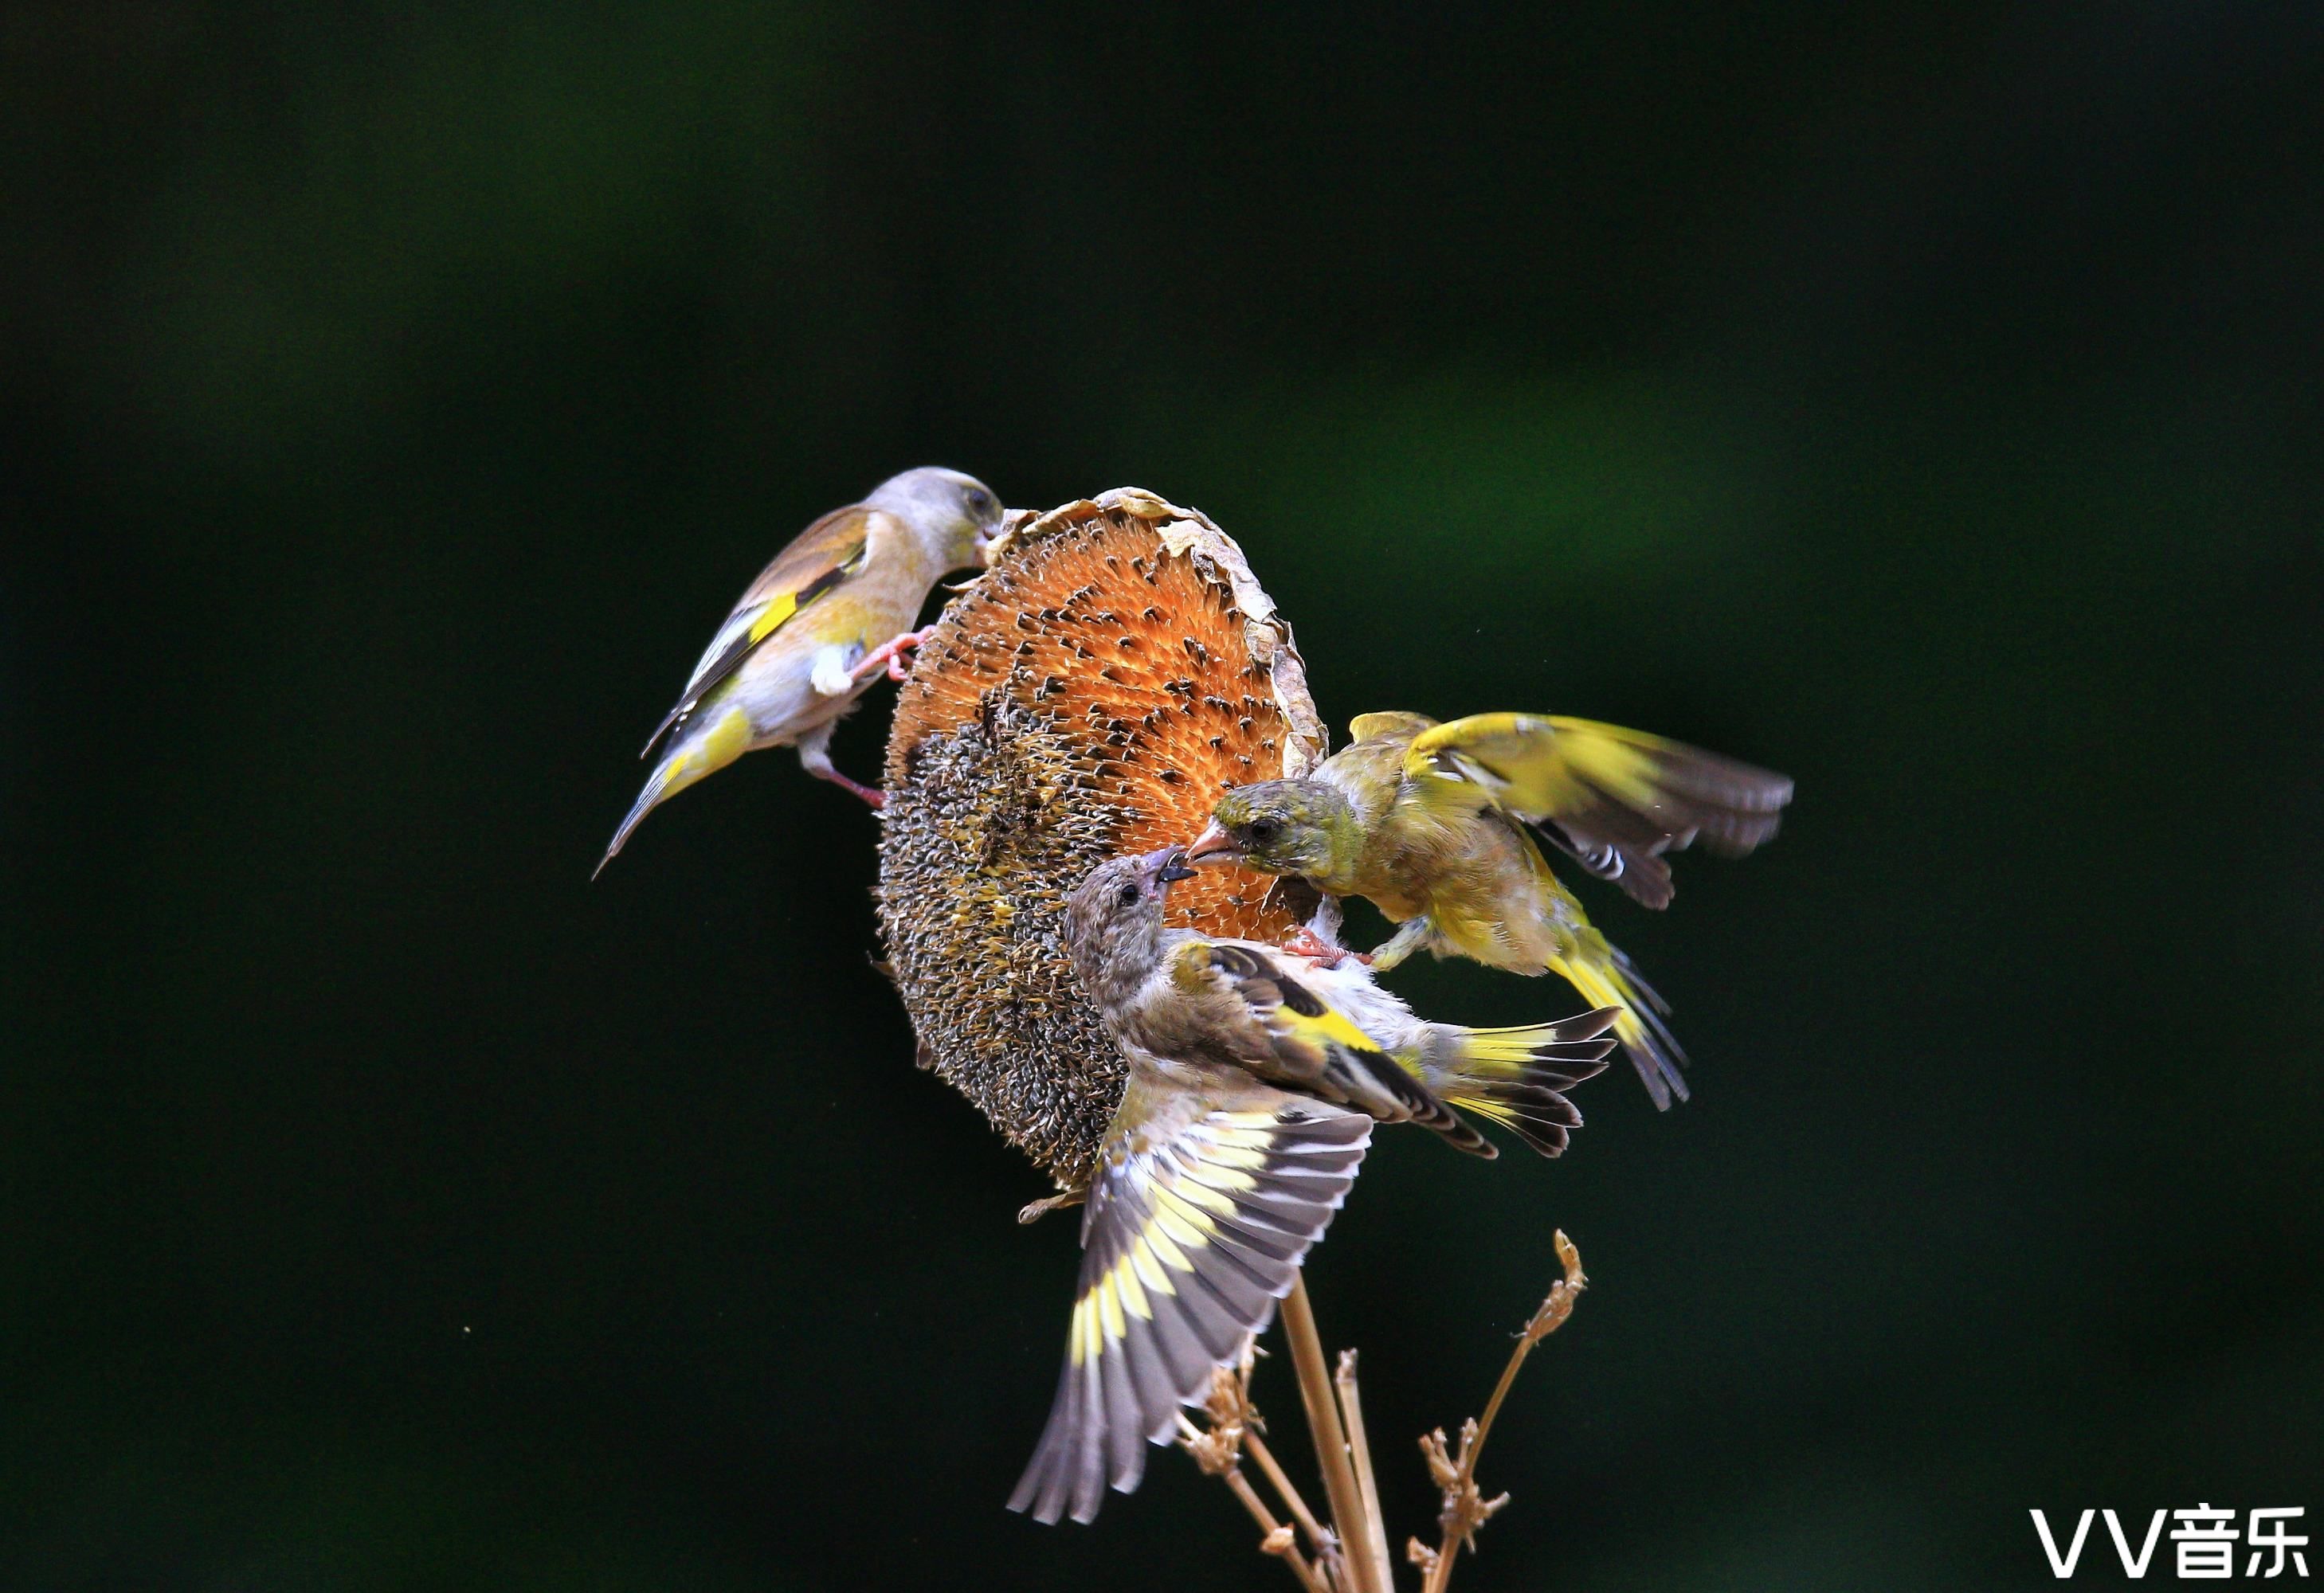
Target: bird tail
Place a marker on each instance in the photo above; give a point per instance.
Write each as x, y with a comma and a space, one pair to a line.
1605, 978
687, 758
1514, 1077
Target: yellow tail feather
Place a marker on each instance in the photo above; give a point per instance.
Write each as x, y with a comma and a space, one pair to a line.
1504, 1051
694, 756
1605, 978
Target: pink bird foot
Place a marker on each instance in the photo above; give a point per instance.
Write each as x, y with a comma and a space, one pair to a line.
1306, 943
872, 794
890, 656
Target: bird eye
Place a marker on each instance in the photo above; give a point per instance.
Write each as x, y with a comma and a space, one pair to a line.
979, 502
1129, 893
1264, 830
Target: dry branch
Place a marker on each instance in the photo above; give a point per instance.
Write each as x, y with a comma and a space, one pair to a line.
1348, 1514
1360, 1450
1464, 1509
1351, 1555
1217, 1450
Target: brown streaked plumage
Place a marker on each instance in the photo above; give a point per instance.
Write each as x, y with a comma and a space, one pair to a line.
1249, 1101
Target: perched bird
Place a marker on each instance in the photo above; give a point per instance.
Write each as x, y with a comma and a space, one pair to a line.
1250, 1102
815, 629
1435, 824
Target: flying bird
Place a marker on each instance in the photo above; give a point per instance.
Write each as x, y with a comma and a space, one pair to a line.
1439, 826
1250, 1102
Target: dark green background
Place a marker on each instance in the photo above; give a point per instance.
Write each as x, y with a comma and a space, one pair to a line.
395, 397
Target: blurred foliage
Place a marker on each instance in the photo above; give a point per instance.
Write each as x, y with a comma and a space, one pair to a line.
1923, 404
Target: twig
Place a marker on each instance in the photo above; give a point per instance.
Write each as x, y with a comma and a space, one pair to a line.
1317, 1535
1464, 1508
1214, 1454
1254, 1443
1351, 1408
1348, 1514
1039, 1208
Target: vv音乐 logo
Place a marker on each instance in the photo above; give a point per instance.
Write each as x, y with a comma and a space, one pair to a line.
2206, 1541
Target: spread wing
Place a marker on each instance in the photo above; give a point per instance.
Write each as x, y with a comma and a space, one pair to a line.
819, 558
1314, 1045
1615, 800
1195, 1227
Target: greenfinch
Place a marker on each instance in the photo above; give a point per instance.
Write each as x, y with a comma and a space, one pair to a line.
1249, 1104
1436, 826
819, 625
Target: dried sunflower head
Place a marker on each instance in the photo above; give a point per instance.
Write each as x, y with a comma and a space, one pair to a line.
1090, 695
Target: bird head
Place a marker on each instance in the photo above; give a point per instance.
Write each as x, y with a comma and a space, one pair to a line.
1302, 827
1113, 919
955, 517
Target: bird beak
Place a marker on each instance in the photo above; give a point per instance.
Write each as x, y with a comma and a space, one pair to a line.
1009, 519
1164, 868
1213, 846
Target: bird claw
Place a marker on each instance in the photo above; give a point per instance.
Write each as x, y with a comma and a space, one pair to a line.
889, 657
873, 797
1306, 943
1039, 1208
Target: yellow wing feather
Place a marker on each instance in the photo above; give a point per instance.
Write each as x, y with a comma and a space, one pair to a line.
1539, 765
1388, 725
818, 560
1615, 799
772, 619
1202, 1211
1331, 1027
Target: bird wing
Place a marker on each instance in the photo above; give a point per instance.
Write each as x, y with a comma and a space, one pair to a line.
1615, 799
1388, 726
819, 558
1314, 1045
1196, 1226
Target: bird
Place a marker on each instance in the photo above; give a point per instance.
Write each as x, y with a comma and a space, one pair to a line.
823, 620
1249, 1104
1439, 825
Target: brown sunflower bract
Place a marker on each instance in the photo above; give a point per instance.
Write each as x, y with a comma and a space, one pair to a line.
1090, 695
